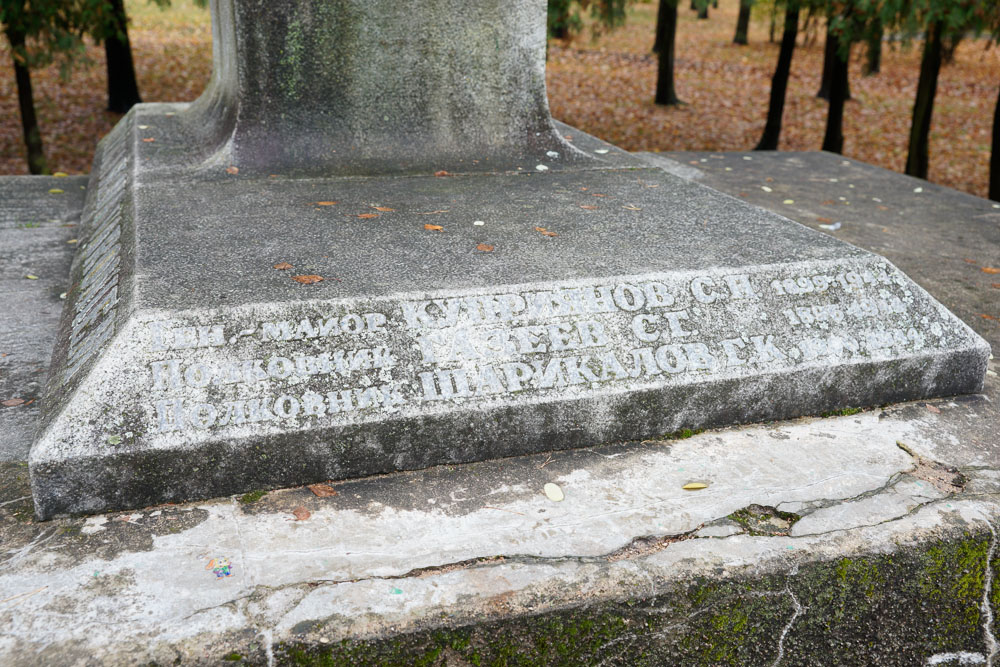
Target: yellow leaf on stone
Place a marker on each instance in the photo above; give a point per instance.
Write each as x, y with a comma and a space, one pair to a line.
31, 277
695, 486
60, 174
553, 492
55, 191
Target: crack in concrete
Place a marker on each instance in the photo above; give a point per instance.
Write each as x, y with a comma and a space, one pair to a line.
991, 642
799, 610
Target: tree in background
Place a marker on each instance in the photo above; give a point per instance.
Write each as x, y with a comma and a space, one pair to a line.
123, 89
564, 18
743, 22
779, 83
40, 32
666, 33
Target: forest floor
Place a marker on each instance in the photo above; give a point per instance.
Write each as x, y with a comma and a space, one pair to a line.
603, 85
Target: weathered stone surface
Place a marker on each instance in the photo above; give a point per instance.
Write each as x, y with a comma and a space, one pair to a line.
373, 86
263, 299
189, 366
597, 577
38, 218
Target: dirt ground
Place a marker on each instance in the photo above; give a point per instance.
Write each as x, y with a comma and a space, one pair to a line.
604, 86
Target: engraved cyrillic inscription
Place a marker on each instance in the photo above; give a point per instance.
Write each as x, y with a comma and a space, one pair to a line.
407, 355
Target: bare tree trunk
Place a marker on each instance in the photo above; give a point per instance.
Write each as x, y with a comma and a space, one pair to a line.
833, 140
703, 10
923, 105
665, 93
743, 22
830, 59
779, 83
660, 18
26, 103
123, 90
873, 60
995, 154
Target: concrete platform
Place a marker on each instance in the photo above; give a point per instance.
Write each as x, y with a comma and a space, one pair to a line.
866, 538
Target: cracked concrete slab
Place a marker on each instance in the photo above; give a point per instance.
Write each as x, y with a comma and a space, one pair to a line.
890, 563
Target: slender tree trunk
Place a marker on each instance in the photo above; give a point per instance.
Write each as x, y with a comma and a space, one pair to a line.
694, 6
774, 22
703, 10
779, 83
743, 22
873, 61
923, 105
665, 93
660, 18
995, 154
123, 90
715, 4
830, 60
26, 102
833, 140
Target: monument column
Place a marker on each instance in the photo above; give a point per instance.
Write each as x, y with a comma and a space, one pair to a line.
376, 86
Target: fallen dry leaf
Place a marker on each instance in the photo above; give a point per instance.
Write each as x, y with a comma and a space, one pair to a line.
283, 266
368, 216
433, 228
307, 280
301, 513
828, 202
822, 219
443, 210
995, 285
326, 203
545, 232
322, 490
553, 492
883, 208
149, 140
969, 261
441, 173
12, 402
484, 247
631, 207
384, 209
991, 270
988, 317
694, 486
232, 169
588, 207
597, 194
936, 410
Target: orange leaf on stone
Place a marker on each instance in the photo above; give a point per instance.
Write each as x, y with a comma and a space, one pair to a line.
148, 140
301, 513
991, 270
484, 247
545, 232
283, 266
588, 207
822, 219
308, 279
12, 402
326, 203
441, 173
434, 228
322, 490
384, 209
368, 216
232, 169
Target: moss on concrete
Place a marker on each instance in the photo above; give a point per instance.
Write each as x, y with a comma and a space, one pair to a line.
885, 609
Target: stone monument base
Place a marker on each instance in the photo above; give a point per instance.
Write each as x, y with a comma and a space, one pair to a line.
226, 333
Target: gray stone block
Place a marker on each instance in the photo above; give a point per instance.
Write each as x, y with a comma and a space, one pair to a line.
189, 367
